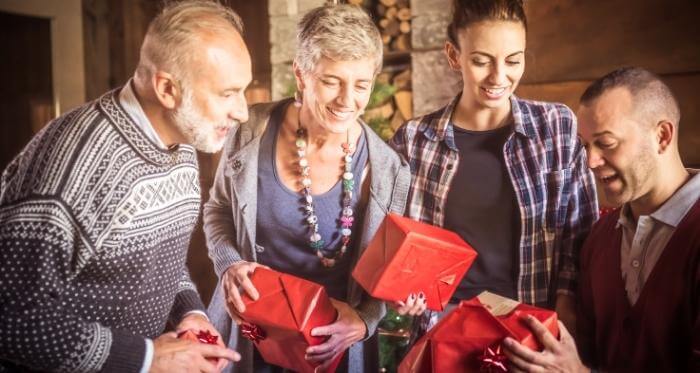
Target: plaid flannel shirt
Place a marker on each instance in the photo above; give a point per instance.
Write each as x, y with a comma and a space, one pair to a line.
553, 185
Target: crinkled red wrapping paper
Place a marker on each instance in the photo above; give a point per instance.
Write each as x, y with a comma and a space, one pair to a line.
288, 308
406, 256
460, 339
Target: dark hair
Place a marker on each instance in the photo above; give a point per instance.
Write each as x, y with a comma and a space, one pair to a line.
467, 12
649, 92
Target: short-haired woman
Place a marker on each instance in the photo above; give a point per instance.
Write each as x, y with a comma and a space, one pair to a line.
303, 186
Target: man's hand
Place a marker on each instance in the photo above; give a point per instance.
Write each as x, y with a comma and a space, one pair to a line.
235, 277
348, 329
414, 305
558, 356
173, 355
198, 322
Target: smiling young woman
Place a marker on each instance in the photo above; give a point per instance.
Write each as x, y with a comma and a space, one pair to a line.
508, 175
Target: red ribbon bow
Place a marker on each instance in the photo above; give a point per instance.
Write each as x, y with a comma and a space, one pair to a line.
493, 360
252, 332
205, 336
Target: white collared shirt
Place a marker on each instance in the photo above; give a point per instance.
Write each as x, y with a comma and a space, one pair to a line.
133, 109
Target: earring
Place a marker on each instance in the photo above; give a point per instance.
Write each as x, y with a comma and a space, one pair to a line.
297, 99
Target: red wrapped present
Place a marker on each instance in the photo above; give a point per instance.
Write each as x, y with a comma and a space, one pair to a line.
201, 336
406, 256
280, 321
469, 338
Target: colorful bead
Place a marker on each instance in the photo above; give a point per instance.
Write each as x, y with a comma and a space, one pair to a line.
315, 240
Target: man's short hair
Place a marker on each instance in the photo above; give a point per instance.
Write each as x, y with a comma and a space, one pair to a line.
653, 100
174, 32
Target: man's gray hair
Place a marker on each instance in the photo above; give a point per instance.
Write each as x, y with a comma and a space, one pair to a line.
174, 32
339, 32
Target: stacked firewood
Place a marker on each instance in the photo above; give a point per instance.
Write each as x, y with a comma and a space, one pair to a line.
392, 101
394, 23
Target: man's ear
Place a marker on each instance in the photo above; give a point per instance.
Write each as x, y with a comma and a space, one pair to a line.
452, 53
167, 89
665, 133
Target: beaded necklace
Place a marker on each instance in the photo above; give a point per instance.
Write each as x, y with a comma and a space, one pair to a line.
316, 242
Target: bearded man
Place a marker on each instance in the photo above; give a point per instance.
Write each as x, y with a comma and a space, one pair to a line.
97, 210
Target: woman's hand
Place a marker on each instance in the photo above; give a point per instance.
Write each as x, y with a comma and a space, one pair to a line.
414, 305
348, 329
234, 279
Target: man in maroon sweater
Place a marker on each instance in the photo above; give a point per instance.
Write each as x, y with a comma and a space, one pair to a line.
639, 296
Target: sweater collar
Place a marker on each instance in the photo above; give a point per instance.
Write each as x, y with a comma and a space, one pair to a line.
134, 134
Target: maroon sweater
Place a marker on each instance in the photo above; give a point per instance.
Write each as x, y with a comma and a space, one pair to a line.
661, 332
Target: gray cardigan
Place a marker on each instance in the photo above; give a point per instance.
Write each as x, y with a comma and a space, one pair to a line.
230, 225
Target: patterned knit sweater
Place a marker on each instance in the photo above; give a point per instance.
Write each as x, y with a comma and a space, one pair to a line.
95, 222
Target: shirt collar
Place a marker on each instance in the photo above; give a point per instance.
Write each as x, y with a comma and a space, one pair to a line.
443, 129
674, 209
133, 108
625, 220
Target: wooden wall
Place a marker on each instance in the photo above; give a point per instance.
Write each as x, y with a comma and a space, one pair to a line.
572, 42
26, 92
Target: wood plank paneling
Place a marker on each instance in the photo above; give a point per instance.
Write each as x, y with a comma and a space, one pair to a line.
26, 92
581, 40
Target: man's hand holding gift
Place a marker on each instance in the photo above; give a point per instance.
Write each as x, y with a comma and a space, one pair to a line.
557, 356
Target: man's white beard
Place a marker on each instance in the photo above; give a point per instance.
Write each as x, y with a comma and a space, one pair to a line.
198, 131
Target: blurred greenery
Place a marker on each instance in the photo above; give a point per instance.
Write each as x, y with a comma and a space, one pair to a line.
381, 92
393, 344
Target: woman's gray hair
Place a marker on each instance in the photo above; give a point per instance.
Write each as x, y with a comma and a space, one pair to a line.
339, 32
174, 32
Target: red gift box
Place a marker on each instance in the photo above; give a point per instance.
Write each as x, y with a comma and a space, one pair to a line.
202, 336
280, 321
406, 256
468, 339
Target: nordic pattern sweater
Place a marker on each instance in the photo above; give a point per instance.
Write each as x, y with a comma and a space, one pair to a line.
95, 222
